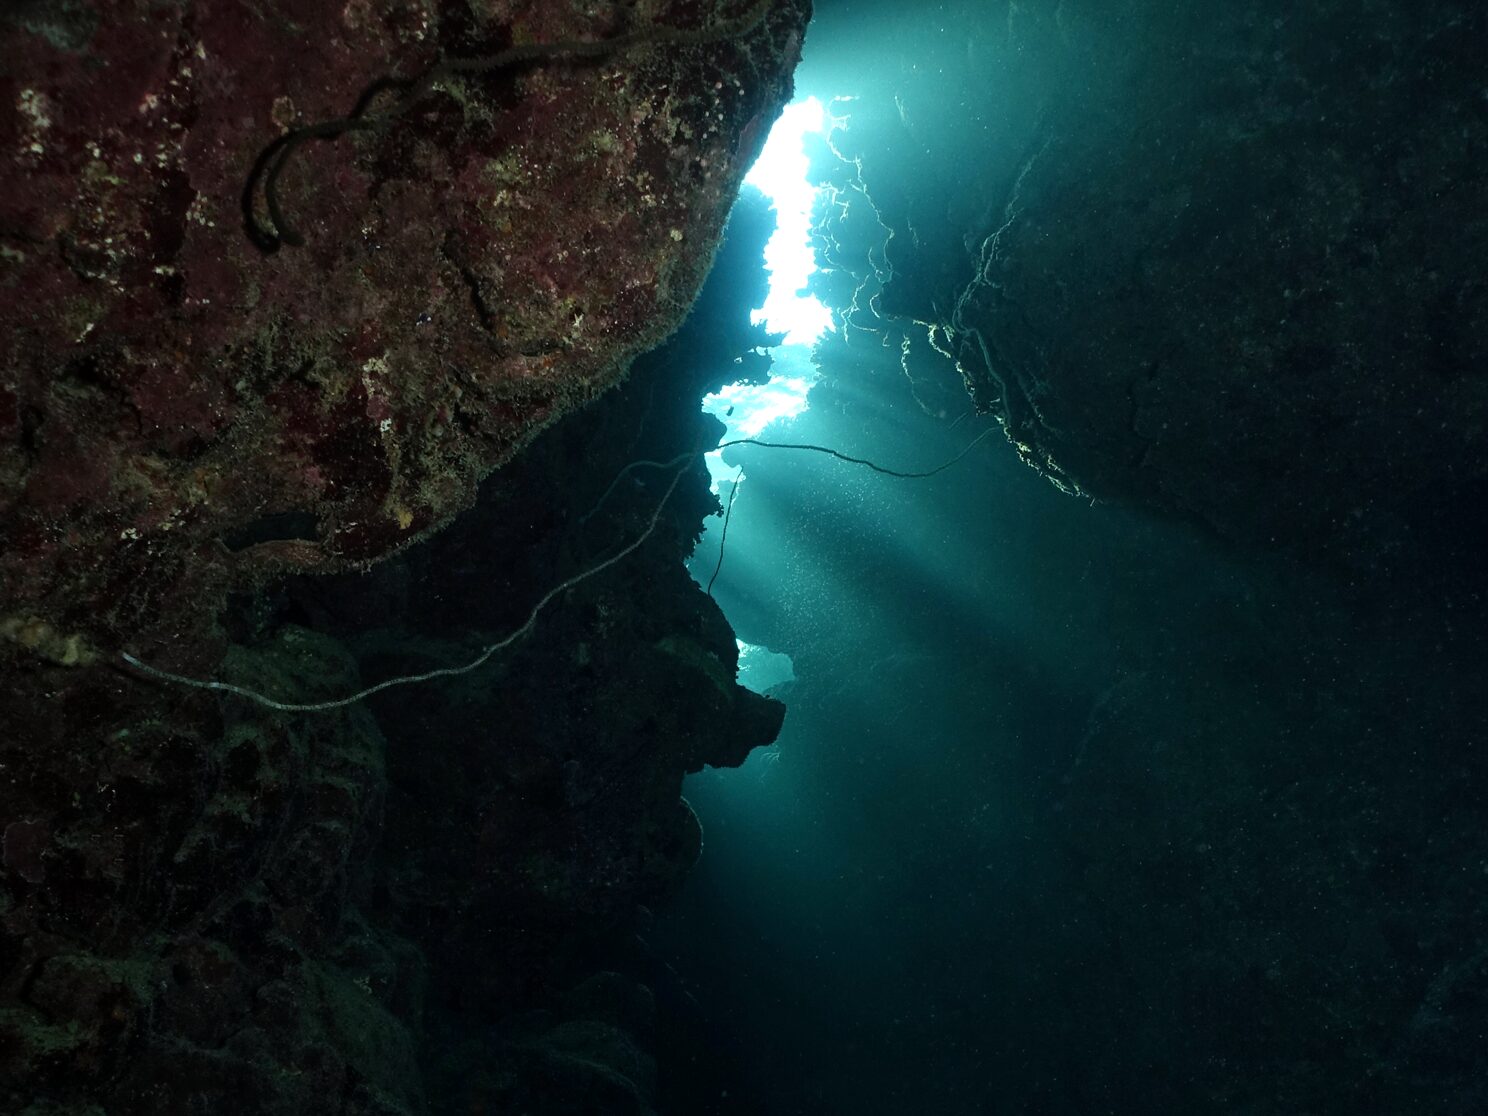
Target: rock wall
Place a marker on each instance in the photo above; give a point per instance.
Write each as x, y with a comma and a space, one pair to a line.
182, 410
410, 907
1219, 263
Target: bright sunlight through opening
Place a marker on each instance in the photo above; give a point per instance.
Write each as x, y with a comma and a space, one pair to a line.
780, 174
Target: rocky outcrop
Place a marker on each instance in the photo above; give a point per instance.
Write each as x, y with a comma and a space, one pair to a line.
182, 410
406, 907
1222, 264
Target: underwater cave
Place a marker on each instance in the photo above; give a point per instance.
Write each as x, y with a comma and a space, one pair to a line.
743, 558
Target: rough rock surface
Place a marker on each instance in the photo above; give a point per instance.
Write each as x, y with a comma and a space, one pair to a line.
1223, 262
404, 908
180, 411
407, 906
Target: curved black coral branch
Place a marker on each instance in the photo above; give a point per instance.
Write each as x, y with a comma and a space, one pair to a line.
269, 166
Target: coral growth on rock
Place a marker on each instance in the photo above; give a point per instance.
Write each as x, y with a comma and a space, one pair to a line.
179, 411
208, 906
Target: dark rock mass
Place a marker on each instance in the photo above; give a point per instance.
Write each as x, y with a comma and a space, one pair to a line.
209, 906
337, 335
183, 411
1223, 261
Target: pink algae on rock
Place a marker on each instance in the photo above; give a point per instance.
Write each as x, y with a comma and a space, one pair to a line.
180, 411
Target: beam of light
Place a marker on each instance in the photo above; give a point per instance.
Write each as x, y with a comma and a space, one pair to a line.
780, 173
761, 669
747, 409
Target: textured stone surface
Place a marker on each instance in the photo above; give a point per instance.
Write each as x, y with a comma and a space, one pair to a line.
404, 906
1223, 263
190, 924
201, 908
180, 412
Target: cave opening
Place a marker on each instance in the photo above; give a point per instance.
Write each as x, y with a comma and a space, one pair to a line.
1039, 725
1082, 714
